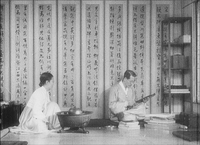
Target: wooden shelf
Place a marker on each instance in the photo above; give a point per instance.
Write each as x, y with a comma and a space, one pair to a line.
177, 93
175, 44
176, 65
176, 19
178, 69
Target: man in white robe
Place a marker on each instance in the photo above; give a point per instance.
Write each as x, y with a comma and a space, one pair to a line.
121, 99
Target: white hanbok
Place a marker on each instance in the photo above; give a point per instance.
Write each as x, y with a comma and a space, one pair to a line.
121, 97
38, 111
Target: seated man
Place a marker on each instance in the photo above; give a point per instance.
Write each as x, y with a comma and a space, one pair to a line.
121, 99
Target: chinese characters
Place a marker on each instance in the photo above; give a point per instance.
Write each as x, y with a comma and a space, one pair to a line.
21, 51
68, 56
92, 54
115, 42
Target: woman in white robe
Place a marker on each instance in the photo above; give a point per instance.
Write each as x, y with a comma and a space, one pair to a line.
39, 115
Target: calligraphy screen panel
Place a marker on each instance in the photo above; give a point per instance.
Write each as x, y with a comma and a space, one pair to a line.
45, 49
115, 44
115, 41
21, 50
92, 57
139, 46
160, 10
4, 52
69, 54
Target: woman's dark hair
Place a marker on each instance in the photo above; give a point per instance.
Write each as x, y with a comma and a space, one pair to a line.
46, 76
129, 73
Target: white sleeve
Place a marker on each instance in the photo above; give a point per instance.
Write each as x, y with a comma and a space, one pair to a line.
115, 105
38, 105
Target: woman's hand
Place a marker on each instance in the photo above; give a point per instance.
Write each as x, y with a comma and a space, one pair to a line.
49, 125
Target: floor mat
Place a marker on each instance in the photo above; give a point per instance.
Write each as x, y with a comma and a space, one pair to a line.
187, 135
102, 123
14, 142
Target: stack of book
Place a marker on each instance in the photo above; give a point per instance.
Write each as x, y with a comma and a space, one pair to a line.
177, 89
129, 125
162, 125
161, 122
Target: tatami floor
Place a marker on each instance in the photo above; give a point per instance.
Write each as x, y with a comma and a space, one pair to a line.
102, 136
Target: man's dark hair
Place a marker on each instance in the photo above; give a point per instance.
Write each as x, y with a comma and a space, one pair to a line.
46, 76
129, 73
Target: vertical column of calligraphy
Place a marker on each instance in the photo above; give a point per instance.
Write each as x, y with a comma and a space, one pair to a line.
41, 39
17, 52
162, 11
25, 53
165, 58
45, 38
112, 45
21, 52
2, 51
116, 42
142, 42
92, 54
48, 37
68, 58
138, 51
119, 40
198, 56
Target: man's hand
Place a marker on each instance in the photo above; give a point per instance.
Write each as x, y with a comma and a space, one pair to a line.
120, 116
129, 107
145, 100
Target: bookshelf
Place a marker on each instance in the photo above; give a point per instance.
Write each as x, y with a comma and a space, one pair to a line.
176, 61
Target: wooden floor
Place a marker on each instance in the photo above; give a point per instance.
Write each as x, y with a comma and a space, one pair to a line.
101, 136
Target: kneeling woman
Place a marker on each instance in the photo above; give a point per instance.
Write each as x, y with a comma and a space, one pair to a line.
39, 115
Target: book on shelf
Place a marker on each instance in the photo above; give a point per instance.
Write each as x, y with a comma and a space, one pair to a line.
177, 90
178, 87
180, 90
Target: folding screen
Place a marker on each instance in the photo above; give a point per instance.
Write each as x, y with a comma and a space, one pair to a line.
87, 45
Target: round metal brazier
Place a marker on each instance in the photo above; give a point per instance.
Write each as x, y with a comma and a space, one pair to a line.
71, 120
